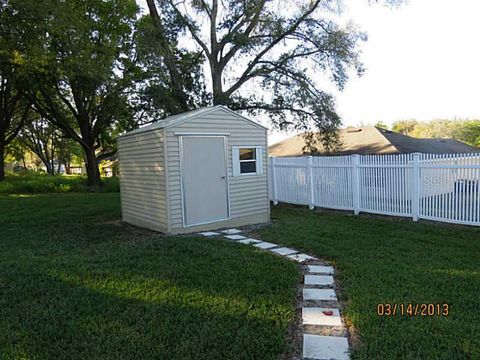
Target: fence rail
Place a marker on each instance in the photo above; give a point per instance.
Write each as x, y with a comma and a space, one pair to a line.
441, 187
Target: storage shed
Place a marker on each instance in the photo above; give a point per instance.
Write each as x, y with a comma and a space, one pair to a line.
197, 171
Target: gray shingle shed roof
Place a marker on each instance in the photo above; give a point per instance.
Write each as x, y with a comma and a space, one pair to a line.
180, 118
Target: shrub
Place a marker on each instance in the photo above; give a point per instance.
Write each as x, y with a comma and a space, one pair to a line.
36, 183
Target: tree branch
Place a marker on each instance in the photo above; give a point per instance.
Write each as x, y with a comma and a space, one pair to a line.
191, 28
279, 38
170, 61
246, 33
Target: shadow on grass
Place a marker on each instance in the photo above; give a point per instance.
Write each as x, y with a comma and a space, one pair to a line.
54, 319
75, 284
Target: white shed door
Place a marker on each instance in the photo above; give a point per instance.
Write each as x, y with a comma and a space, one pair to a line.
204, 179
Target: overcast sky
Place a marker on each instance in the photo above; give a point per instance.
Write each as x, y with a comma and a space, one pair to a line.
422, 61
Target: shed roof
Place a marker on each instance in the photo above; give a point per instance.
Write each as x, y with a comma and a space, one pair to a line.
370, 140
189, 115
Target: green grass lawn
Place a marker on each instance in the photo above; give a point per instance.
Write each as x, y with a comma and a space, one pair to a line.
76, 284
395, 261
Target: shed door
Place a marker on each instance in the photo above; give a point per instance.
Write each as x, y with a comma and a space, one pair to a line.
204, 179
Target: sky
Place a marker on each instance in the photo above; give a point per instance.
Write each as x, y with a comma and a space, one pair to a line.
422, 61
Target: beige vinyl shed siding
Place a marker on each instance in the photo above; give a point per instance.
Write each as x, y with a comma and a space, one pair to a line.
248, 194
142, 179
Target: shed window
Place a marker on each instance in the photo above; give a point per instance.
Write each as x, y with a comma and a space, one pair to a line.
247, 160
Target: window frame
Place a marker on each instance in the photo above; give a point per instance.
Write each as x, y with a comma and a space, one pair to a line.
257, 160
254, 160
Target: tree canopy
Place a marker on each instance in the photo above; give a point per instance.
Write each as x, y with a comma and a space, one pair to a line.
279, 48
464, 130
85, 71
80, 69
14, 108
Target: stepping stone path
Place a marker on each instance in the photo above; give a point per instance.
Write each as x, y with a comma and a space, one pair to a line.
209, 233
235, 237
231, 231
249, 241
324, 280
283, 251
324, 335
265, 245
319, 294
301, 258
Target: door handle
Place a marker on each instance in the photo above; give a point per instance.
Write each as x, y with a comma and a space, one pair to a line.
223, 177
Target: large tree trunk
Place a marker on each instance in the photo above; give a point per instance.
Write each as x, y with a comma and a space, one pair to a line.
48, 166
93, 172
217, 87
169, 58
2, 163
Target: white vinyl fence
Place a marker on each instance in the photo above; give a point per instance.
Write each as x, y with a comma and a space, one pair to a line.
441, 187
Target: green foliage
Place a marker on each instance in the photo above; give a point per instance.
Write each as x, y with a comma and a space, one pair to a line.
79, 71
157, 97
281, 52
404, 127
470, 132
76, 283
467, 131
381, 125
14, 107
37, 183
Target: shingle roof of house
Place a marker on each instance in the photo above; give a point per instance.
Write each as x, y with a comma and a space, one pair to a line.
179, 118
370, 140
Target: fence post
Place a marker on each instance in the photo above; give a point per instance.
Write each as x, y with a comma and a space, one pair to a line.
311, 194
274, 181
415, 186
356, 184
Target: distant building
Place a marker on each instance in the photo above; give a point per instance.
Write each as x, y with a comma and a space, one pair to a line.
371, 140
9, 167
109, 167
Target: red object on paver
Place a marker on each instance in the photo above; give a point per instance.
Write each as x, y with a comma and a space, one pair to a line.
328, 313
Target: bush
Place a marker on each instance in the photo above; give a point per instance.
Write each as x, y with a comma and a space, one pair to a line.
36, 183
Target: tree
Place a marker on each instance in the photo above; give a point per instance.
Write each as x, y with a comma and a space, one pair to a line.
470, 132
40, 137
13, 114
157, 95
81, 68
14, 108
16, 152
467, 131
69, 153
381, 125
404, 127
252, 42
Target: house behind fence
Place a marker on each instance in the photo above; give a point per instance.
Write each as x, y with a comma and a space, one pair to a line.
440, 187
